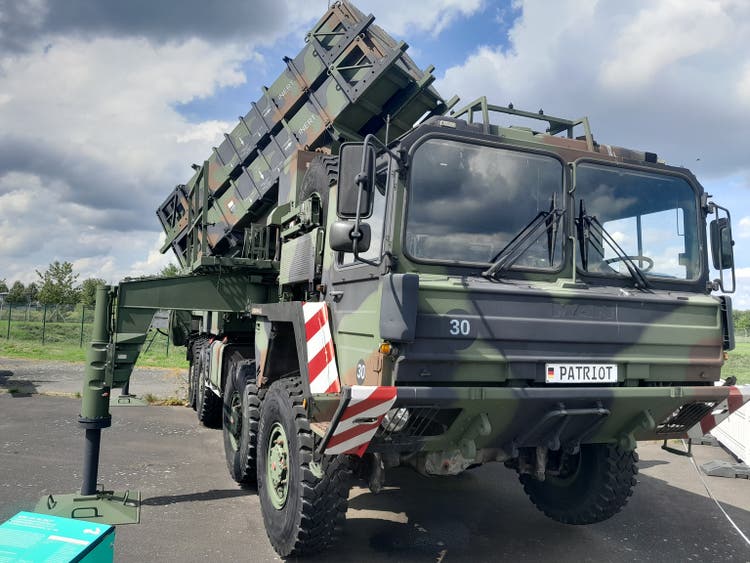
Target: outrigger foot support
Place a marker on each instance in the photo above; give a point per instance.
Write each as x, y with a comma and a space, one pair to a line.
675, 451
93, 503
126, 399
108, 507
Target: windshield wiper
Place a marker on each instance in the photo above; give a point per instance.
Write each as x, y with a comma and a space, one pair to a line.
545, 221
585, 225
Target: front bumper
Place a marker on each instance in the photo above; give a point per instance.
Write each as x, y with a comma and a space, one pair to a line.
440, 418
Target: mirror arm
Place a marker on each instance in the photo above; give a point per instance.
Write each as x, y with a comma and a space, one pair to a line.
361, 180
372, 139
715, 208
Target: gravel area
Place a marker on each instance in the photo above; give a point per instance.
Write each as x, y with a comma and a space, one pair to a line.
63, 378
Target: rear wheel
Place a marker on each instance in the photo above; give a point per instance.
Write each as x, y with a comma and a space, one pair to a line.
241, 415
303, 503
191, 394
208, 403
593, 485
194, 370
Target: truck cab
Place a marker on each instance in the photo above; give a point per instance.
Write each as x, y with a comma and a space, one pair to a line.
523, 290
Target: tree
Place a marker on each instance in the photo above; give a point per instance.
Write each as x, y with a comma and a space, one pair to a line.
57, 284
741, 322
32, 292
16, 294
3, 286
87, 290
170, 270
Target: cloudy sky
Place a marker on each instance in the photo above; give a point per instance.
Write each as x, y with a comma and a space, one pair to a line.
104, 103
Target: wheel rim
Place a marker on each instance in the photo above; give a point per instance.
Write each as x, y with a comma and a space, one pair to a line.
277, 466
234, 420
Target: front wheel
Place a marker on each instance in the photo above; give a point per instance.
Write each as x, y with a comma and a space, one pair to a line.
303, 503
592, 486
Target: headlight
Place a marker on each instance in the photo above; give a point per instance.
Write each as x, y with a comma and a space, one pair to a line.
395, 420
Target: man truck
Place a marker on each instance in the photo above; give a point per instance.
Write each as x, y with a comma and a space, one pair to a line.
372, 279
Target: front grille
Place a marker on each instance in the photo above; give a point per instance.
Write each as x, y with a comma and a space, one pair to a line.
420, 422
685, 417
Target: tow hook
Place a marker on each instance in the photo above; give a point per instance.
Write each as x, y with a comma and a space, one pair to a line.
377, 474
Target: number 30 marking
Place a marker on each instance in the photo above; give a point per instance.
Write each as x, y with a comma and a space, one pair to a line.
459, 327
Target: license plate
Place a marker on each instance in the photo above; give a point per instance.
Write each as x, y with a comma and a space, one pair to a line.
581, 373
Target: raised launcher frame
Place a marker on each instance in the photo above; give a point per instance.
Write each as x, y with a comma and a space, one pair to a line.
350, 80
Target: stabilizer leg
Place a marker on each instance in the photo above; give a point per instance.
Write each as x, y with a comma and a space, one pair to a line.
110, 507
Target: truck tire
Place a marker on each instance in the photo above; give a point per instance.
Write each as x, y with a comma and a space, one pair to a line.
208, 404
596, 485
192, 392
321, 174
304, 506
240, 422
193, 370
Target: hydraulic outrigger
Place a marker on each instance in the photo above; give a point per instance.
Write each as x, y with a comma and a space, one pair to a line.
93, 503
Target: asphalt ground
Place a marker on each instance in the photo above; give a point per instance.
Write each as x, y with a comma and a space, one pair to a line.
193, 511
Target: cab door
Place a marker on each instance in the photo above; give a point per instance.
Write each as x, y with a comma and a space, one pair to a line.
354, 288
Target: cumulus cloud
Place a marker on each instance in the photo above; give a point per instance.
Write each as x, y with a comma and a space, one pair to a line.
657, 75
161, 21
404, 18
744, 228
108, 131
91, 143
666, 76
235, 21
154, 262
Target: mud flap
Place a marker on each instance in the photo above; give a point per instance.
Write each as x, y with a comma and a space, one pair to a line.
357, 418
738, 396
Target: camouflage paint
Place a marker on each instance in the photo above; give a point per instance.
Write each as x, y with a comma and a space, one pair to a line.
666, 342
316, 102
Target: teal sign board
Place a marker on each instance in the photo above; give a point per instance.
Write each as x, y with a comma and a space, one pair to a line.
28, 537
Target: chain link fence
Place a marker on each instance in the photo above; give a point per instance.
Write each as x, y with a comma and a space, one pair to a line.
59, 324
46, 323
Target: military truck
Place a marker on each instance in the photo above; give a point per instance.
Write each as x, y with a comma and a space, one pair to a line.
374, 280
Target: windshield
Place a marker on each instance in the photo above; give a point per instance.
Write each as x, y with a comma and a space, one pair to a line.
652, 217
467, 202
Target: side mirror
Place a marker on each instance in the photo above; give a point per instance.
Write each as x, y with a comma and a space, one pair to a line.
722, 243
341, 237
356, 180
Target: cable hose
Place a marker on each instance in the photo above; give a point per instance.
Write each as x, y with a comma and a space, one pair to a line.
711, 495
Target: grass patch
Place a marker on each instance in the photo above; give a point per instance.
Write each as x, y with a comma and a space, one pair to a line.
738, 363
62, 344
172, 402
150, 398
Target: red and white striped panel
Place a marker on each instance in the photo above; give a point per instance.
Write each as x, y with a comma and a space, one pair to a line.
360, 419
321, 358
738, 396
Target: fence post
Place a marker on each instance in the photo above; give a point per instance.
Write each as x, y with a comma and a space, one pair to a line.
167, 345
44, 323
10, 311
83, 314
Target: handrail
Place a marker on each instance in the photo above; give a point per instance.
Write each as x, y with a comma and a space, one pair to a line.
556, 124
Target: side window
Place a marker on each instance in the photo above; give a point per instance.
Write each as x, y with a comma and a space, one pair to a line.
376, 222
